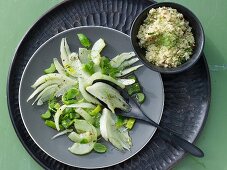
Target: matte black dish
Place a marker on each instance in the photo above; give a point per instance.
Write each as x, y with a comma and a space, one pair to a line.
197, 31
187, 95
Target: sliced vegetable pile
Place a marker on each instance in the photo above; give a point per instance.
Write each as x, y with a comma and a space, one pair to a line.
81, 105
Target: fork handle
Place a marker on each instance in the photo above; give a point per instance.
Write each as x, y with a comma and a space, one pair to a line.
177, 140
184, 144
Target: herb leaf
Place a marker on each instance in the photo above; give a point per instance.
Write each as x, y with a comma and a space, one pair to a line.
100, 148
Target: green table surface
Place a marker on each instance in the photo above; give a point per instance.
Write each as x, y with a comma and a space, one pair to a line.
17, 16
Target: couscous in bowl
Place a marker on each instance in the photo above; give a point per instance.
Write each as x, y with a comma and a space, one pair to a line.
195, 38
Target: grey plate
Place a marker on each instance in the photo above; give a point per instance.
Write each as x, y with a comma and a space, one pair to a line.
117, 42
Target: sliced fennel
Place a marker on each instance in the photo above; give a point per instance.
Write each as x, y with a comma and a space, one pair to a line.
82, 105
62, 133
128, 63
60, 69
85, 94
81, 149
64, 87
75, 137
100, 76
42, 87
57, 116
53, 76
45, 94
85, 115
86, 132
109, 95
84, 55
65, 52
96, 49
83, 126
128, 70
119, 59
74, 67
126, 82
109, 131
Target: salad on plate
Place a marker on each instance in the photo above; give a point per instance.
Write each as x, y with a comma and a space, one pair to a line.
81, 102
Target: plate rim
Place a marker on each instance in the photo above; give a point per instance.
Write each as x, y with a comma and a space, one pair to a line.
10, 76
22, 117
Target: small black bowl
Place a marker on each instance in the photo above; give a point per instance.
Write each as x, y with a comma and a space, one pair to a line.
197, 31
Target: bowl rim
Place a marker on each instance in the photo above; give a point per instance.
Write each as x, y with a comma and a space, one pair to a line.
184, 66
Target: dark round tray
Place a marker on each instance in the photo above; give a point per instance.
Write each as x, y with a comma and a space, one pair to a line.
187, 95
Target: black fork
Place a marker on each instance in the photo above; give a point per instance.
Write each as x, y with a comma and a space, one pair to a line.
166, 134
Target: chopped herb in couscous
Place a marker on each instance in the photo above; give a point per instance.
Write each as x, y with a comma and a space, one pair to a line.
167, 37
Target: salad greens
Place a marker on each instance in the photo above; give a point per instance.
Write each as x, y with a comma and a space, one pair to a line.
75, 95
46, 115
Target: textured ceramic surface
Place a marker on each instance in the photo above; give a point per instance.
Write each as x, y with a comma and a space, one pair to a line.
187, 95
58, 149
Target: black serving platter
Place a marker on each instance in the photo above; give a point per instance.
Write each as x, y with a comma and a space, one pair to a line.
187, 94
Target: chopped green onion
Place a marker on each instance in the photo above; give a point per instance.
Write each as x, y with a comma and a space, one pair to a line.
100, 148
51, 69
54, 106
46, 115
140, 97
67, 123
51, 103
72, 115
96, 110
84, 40
130, 123
52, 124
68, 111
51, 107
64, 116
68, 102
134, 88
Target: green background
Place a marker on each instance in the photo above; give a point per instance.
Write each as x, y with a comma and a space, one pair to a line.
17, 16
